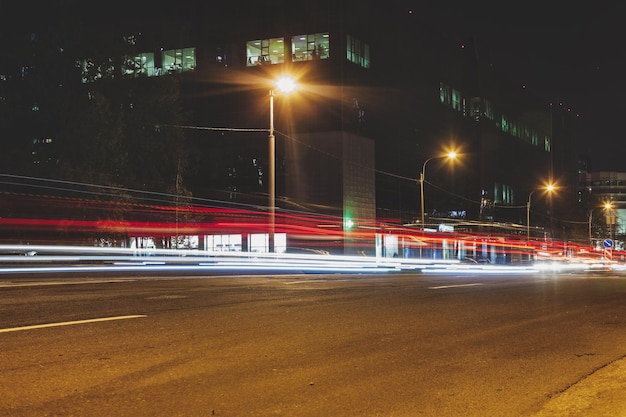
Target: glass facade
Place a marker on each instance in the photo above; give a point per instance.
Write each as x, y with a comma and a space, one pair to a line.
358, 52
308, 47
142, 64
178, 60
265, 51
148, 64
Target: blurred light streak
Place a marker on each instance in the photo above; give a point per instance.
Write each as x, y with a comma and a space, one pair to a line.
480, 269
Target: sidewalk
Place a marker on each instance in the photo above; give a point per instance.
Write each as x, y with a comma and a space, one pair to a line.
601, 394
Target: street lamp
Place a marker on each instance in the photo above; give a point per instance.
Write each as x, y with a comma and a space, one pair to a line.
549, 188
590, 230
449, 155
610, 217
607, 206
284, 85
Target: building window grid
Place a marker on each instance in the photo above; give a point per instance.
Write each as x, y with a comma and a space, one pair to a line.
547, 145
445, 94
179, 60
311, 46
503, 194
173, 60
479, 107
456, 100
142, 64
265, 51
358, 52
488, 109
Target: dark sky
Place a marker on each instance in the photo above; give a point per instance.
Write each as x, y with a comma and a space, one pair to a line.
574, 52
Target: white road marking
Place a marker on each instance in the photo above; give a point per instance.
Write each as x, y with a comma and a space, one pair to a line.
70, 323
441, 287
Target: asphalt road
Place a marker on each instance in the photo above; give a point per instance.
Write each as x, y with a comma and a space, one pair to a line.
312, 345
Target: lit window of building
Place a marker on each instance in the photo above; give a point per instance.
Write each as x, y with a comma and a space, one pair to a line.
308, 47
142, 64
358, 52
179, 60
265, 51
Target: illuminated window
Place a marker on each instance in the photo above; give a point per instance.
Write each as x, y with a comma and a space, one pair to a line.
179, 60
265, 51
504, 124
456, 100
308, 47
358, 52
474, 107
503, 194
547, 146
445, 94
488, 109
223, 243
90, 71
478, 108
142, 64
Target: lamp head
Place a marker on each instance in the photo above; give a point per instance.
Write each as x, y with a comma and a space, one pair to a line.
286, 85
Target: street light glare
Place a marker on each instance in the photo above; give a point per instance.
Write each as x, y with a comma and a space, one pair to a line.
452, 155
286, 85
548, 188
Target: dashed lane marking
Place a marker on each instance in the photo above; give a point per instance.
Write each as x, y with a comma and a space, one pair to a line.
443, 287
70, 323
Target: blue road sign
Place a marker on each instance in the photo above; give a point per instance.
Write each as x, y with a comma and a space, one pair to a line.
608, 243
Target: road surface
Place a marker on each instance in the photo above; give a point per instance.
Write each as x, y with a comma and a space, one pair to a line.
313, 345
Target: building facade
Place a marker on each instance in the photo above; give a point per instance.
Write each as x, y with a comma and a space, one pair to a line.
604, 195
383, 95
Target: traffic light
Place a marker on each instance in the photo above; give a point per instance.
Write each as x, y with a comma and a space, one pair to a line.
348, 223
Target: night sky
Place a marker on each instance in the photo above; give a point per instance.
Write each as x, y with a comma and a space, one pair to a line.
570, 52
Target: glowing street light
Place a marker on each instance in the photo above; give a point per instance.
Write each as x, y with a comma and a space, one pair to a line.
450, 155
607, 206
610, 217
548, 188
283, 85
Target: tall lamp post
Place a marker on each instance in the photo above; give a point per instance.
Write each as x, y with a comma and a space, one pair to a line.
549, 188
449, 155
590, 229
610, 217
283, 85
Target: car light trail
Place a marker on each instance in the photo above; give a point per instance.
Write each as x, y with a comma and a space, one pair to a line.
481, 269
72, 259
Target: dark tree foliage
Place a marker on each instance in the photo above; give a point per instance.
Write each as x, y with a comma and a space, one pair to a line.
120, 134
157, 153
91, 145
117, 143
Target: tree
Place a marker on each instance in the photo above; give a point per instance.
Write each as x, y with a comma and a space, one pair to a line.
158, 154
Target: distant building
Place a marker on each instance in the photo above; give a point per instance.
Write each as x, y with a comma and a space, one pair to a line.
604, 195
